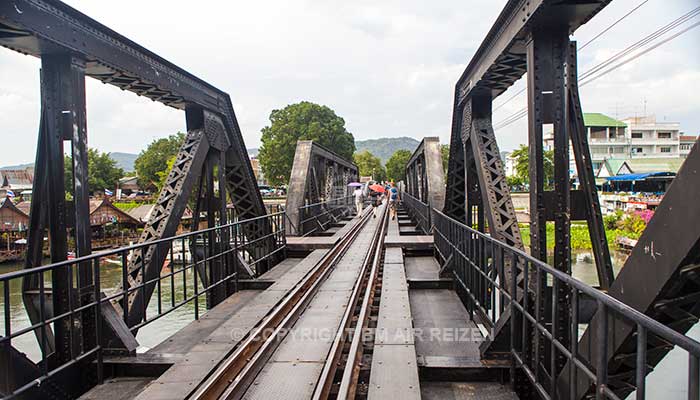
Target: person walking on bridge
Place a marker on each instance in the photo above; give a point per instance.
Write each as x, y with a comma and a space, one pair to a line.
359, 198
393, 196
375, 198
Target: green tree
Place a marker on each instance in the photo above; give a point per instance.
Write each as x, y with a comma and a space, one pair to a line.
300, 121
396, 165
103, 172
522, 165
154, 159
445, 150
163, 175
370, 165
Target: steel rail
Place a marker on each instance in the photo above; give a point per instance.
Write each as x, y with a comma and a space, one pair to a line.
328, 373
230, 379
348, 383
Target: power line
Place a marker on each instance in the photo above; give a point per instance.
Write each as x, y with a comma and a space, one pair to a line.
668, 39
582, 47
590, 73
611, 26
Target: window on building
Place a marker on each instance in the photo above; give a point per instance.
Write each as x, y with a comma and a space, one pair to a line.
665, 149
685, 147
637, 150
618, 149
637, 135
664, 135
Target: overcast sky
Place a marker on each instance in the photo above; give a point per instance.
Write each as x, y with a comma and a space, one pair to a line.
387, 67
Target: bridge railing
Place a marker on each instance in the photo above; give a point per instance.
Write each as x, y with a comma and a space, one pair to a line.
317, 217
418, 210
198, 265
477, 263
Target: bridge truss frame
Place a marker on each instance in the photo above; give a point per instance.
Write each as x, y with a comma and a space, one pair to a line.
72, 46
425, 181
532, 37
318, 191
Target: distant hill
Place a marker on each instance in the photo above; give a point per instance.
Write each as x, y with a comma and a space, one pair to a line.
124, 161
384, 148
20, 166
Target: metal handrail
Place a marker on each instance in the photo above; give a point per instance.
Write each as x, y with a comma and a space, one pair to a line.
418, 210
317, 211
477, 264
205, 268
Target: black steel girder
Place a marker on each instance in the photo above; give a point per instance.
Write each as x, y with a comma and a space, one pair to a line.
501, 58
39, 27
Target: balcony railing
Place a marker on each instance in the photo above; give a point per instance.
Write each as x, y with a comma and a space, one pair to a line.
478, 263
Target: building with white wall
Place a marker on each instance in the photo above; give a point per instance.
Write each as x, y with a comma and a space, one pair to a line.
648, 137
686, 143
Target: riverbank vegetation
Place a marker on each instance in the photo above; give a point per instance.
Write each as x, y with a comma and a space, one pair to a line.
619, 224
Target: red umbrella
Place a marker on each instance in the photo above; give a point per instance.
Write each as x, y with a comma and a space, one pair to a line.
377, 188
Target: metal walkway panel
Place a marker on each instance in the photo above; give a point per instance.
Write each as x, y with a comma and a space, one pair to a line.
394, 373
394, 370
442, 324
285, 380
466, 391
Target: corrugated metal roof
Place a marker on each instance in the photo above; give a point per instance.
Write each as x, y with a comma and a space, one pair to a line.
598, 119
614, 164
643, 165
17, 178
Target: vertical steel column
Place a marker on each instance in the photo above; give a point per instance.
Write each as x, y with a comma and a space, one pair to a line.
539, 73
215, 295
562, 208
75, 122
546, 52
56, 88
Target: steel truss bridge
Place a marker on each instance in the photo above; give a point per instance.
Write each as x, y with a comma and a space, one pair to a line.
317, 302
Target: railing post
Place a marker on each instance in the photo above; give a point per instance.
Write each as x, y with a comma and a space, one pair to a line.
693, 377
602, 350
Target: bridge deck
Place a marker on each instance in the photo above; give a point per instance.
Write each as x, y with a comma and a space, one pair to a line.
425, 346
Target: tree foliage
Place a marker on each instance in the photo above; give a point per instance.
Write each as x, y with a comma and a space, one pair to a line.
103, 172
445, 151
163, 175
300, 121
153, 161
369, 165
396, 165
522, 165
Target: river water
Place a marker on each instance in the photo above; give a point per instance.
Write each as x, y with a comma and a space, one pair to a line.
668, 381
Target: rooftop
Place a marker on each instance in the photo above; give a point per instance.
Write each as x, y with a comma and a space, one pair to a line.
643, 165
598, 119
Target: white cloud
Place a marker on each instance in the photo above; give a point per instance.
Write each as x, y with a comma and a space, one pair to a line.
388, 68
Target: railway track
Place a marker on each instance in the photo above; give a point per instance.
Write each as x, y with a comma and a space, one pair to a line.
345, 373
